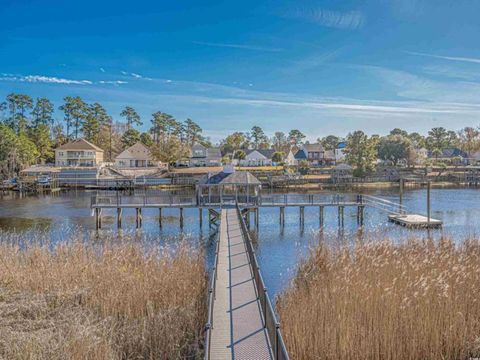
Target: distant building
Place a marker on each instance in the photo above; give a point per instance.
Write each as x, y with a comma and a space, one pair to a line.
203, 156
258, 157
290, 159
313, 153
78, 152
136, 156
339, 151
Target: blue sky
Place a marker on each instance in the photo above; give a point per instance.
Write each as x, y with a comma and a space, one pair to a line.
320, 66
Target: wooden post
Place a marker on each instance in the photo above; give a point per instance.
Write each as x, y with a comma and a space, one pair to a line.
401, 194
257, 218
362, 211
428, 202
119, 218
320, 215
160, 217
181, 217
97, 216
302, 215
138, 217
282, 216
200, 216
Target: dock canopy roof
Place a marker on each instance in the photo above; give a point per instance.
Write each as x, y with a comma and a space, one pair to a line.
229, 178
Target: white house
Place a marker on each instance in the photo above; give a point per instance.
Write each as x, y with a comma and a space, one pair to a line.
136, 156
290, 159
258, 157
78, 152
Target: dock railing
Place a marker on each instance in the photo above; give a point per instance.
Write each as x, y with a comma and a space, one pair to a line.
211, 300
270, 321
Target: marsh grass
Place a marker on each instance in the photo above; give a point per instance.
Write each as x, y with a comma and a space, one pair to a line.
418, 300
108, 301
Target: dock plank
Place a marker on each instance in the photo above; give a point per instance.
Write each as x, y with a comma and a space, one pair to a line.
238, 331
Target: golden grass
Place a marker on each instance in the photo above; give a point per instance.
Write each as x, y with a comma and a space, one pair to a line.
419, 300
100, 302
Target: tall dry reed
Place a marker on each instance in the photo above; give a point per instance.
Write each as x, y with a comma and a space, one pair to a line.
100, 302
419, 300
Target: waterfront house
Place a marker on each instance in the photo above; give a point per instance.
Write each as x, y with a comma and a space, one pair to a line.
136, 156
203, 156
258, 157
79, 152
313, 153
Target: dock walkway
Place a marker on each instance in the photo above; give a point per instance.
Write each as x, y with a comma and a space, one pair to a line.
238, 330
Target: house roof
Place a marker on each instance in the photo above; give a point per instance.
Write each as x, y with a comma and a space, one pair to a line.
268, 153
300, 155
214, 154
137, 151
228, 178
79, 144
40, 169
341, 145
454, 152
313, 147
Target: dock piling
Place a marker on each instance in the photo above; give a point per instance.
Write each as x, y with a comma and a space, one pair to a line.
119, 218
138, 217
160, 217
321, 215
181, 217
200, 217
302, 215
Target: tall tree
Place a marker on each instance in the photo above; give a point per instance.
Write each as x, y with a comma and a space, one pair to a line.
75, 110
131, 116
42, 112
130, 137
438, 139
296, 137
280, 142
146, 139
329, 142
361, 152
163, 125
469, 139
40, 135
18, 105
258, 136
193, 132
96, 117
394, 148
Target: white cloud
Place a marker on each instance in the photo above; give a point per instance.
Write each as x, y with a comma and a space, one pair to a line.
451, 58
238, 46
43, 79
350, 20
113, 82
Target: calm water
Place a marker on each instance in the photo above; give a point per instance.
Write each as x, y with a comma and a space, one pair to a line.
279, 250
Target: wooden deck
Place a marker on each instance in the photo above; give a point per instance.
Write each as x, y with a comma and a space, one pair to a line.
238, 331
415, 221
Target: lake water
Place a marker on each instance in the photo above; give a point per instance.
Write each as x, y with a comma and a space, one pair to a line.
279, 249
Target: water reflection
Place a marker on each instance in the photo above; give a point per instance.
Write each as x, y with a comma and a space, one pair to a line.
280, 248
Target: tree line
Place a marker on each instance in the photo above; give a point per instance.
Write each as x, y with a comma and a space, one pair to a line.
29, 131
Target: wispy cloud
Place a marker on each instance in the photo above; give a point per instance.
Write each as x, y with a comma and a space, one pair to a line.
43, 79
102, 69
451, 58
113, 82
238, 46
134, 75
350, 20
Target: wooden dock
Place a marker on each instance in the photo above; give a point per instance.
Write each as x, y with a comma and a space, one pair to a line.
242, 322
415, 221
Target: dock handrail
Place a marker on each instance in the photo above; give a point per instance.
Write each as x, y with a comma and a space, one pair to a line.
211, 301
270, 321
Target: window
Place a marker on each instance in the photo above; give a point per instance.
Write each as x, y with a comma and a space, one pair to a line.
60, 153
